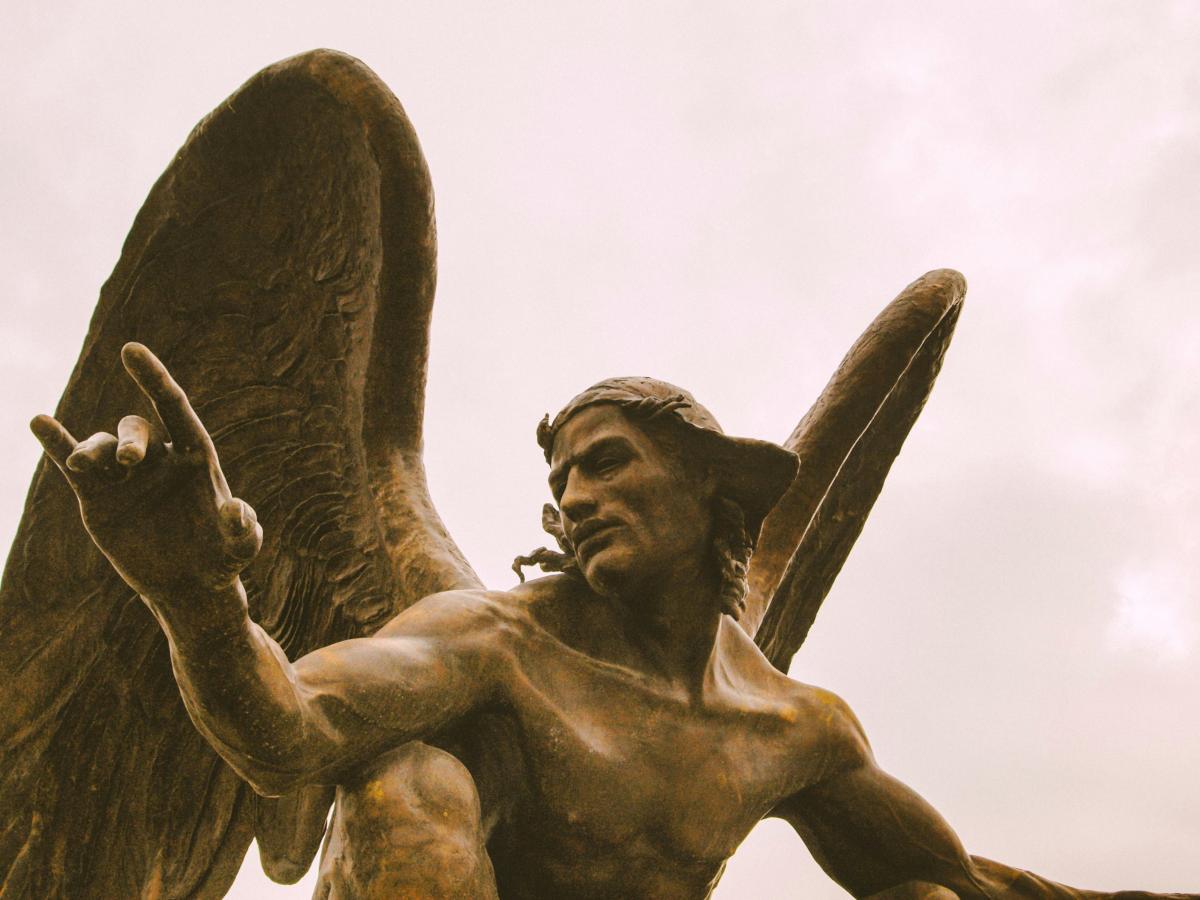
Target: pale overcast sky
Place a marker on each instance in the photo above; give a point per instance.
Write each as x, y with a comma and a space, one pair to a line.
723, 195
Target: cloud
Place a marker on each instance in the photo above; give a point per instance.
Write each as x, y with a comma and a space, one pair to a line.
1154, 615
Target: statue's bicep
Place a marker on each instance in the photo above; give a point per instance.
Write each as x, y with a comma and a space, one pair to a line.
871, 833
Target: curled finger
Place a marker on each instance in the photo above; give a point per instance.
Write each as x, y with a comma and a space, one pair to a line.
243, 534
95, 455
134, 438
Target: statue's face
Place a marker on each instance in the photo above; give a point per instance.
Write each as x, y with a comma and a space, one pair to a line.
635, 517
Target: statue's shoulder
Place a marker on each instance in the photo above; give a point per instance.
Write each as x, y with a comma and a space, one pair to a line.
828, 720
538, 594
561, 605
816, 712
459, 613
484, 610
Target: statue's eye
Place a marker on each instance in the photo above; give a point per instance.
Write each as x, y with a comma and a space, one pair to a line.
608, 463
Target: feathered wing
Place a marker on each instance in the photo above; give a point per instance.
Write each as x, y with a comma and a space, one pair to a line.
846, 443
283, 267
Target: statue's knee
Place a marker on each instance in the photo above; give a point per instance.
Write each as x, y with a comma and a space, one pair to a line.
415, 786
409, 827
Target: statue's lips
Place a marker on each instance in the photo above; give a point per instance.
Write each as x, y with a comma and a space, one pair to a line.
587, 533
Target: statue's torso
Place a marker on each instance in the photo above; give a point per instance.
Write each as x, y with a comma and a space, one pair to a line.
616, 784
594, 778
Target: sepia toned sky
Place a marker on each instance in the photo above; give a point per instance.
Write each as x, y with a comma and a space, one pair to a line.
723, 195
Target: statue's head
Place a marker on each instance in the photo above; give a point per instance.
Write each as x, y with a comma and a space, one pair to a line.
648, 486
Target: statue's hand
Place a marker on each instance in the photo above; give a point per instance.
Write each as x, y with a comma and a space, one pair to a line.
153, 497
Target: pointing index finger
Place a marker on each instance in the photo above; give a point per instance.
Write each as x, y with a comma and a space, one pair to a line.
170, 402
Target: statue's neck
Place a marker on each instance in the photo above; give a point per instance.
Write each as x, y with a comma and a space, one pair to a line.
674, 626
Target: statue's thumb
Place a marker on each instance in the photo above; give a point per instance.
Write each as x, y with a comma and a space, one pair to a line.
240, 528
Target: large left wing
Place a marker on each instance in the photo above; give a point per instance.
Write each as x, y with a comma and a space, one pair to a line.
283, 268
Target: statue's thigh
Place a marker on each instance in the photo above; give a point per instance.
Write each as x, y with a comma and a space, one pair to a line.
410, 828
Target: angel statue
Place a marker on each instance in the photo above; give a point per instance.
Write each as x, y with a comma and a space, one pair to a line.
614, 728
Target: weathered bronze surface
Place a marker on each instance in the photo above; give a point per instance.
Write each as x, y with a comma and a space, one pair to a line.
614, 729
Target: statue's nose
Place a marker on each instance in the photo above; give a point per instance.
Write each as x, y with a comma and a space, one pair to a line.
577, 501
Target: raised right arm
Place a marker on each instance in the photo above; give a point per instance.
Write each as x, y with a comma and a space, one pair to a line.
282, 724
156, 503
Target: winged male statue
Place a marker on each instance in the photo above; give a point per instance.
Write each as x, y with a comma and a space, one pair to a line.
613, 729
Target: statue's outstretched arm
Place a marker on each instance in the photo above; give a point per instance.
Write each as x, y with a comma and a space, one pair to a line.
877, 837
156, 503
283, 725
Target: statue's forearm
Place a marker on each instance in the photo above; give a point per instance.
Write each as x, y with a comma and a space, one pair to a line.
237, 684
281, 724
1017, 883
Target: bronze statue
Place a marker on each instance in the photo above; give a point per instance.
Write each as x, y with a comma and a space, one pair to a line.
613, 729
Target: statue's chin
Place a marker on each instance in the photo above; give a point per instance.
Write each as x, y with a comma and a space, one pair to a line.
606, 577
603, 584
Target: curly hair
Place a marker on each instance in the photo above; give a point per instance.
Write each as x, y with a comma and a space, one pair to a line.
732, 543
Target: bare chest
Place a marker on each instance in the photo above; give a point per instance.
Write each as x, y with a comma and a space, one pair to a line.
618, 769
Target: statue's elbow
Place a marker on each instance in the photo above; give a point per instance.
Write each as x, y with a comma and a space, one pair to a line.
274, 784
272, 781
269, 786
